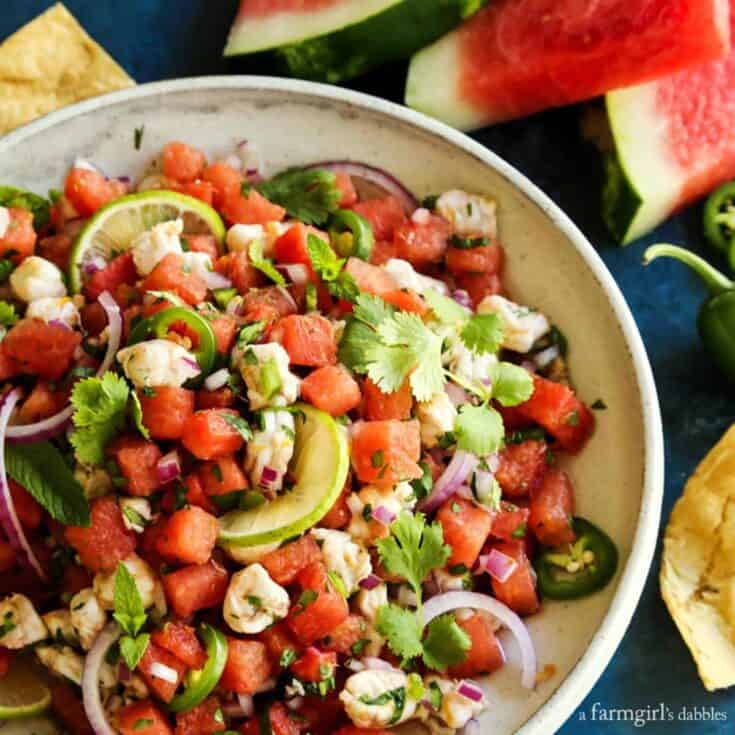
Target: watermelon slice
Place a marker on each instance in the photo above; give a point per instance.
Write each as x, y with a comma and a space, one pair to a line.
674, 141
517, 57
334, 40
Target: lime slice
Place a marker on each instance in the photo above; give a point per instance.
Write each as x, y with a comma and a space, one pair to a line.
23, 692
112, 230
320, 465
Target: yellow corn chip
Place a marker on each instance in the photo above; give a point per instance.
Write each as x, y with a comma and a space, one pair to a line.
698, 568
49, 63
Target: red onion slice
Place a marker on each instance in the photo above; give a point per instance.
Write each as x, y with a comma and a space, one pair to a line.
55, 424
91, 680
470, 690
376, 176
296, 273
371, 582
462, 298
452, 600
382, 515
463, 464
216, 280
498, 565
8, 517
458, 396
169, 467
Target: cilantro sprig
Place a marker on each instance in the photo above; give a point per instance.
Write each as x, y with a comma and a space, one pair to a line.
309, 195
130, 616
412, 551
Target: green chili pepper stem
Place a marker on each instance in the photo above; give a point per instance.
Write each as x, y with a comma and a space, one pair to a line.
715, 281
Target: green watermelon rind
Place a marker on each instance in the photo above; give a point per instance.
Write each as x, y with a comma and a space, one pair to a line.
254, 34
393, 34
621, 201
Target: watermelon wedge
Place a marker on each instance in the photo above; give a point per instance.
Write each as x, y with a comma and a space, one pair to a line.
335, 40
516, 57
674, 141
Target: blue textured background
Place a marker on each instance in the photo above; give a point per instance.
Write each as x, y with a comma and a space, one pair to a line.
160, 39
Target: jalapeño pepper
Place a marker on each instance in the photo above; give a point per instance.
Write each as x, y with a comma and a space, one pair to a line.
578, 569
202, 681
159, 324
351, 235
716, 321
719, 219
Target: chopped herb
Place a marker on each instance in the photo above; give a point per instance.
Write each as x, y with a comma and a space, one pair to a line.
148, 392
250, 357
135, 518
367, 512
218, 716
287, 657
468, 243
248, 334
520, 532
430, 201
599, 405
270, 379
521, 435
7, 624
572, 419
239, 424
143, 722
6, 268
138, 137
338, 583
311, 297
423, 486
255, 602
456, 507
397, 696
359, 648
457, 569
185, 245
377, 459
8, 315
307, 598
435, 695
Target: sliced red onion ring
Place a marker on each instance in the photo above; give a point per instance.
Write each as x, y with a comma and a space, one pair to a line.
55, 424
296, 273
216, 280
371, 582
91, 680
382, 515
498, 565
462, 298
465, 491
93, 265
458, 396
452, 600
60, 323
287, 295
217, 380
8, 517
470, 690
463, 464
192, 363
376, 176
169, 467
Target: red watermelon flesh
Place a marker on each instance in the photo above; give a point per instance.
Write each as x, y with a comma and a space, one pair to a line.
517, 57
256, 8
675, 142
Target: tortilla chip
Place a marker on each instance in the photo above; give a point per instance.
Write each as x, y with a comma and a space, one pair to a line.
698, 569
50, 63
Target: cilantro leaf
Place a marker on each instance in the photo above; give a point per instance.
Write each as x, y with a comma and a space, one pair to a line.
42, 471
10, 196
511, 384
408, 347
372, 310
136, 411
483, 333
263, 264
402, 629
133, 649
479, 429
129, 611
8, 316
413, 549
445, 644
344, 287
100, 408
357, 340
309, 195
446, 310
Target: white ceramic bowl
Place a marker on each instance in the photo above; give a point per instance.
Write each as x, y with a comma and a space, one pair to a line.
550, 265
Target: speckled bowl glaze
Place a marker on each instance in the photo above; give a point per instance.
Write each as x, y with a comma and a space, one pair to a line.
550, 265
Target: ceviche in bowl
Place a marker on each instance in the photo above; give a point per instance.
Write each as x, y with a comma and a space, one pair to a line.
280, 454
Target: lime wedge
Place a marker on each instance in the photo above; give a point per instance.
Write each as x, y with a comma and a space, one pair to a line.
320, 464
23, 692
112, 230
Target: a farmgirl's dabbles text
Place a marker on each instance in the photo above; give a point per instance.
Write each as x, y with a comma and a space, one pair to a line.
289, 474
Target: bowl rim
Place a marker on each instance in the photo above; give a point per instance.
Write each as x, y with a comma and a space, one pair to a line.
590, 667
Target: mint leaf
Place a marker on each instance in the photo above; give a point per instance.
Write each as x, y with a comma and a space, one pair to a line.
41, 470
479, 429
133, 649
309, 195
129, 611
263, 264
483, 333
511, 384
323, 259
445, 644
